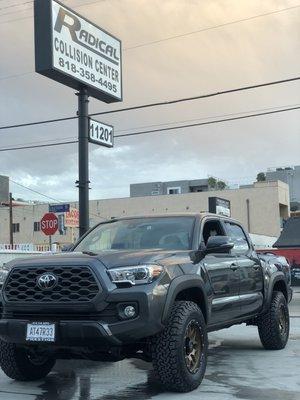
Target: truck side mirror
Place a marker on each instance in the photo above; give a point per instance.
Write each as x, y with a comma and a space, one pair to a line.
218, 244
67, 247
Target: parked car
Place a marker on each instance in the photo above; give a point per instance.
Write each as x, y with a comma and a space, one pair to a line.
146, 287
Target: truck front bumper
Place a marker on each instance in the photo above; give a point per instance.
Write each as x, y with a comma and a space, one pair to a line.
92, 331
66, 333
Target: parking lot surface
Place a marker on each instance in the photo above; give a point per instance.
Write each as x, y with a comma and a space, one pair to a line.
238, 368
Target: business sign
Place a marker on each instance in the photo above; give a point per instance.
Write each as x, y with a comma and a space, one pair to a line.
73, 51
219, 206
72, 218
101, 134
59, 208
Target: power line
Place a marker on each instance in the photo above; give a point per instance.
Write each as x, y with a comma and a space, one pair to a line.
41, 141
49, 197
39, 145
15, 5
31, 16
209, 122
149, 126
34, 191
167, 129
49, 121
211, 28
163, 39
203, 118
162, 103
29, 8
15, 75
203, 96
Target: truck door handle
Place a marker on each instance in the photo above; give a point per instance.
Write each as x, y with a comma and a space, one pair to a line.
233, 267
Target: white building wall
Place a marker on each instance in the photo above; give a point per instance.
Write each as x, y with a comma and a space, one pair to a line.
268, 204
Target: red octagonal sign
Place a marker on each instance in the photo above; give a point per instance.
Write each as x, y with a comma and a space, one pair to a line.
49, 224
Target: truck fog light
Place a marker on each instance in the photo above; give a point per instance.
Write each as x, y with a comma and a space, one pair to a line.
129, 311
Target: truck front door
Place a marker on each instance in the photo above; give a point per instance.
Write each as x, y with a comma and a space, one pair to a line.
223, 272
251, 274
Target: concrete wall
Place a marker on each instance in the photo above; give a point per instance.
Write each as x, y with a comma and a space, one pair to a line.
268, 204
264, 205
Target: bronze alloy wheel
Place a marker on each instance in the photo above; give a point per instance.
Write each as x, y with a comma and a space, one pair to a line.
179, 352
192, 346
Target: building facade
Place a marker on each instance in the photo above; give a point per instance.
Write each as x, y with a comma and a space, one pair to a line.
291, 176
170, 187
261, 208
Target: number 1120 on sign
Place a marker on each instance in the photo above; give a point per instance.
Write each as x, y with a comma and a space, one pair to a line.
101, 134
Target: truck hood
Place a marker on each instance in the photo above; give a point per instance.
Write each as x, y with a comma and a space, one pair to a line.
111, 258
117, 258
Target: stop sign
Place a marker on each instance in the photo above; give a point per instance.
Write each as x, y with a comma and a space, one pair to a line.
49, 224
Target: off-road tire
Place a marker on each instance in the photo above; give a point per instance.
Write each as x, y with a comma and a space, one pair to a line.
272, 335
16, 363
168, 349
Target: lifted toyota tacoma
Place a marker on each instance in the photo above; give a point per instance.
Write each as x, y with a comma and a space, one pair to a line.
145, 287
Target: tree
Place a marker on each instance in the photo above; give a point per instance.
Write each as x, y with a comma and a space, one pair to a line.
261, 177
212, 182
221, 185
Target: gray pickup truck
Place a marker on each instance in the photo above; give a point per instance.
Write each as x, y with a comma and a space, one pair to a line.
146, 287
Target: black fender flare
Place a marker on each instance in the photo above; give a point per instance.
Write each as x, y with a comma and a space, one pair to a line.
179, 284
274, 278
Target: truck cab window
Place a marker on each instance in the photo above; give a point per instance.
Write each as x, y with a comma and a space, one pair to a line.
211, 228
238, 237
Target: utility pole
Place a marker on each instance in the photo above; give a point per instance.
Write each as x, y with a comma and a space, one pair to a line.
11, 232
83, 158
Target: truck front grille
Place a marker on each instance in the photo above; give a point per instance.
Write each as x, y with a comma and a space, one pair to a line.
74, 284
108, 315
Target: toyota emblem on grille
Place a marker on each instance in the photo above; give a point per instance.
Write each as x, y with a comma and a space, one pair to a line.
47, 281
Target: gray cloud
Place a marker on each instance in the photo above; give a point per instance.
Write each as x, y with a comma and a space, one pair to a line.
259, 50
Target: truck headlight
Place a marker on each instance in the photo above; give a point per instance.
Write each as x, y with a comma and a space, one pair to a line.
135, 275
3, 274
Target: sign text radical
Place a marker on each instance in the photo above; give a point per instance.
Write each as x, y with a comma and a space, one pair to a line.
94, 56
84, 38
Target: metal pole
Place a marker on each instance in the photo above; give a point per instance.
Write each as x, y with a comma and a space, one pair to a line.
83, 157
248, 215
11, 232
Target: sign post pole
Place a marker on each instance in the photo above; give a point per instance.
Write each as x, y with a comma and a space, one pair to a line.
79, 54
83, 158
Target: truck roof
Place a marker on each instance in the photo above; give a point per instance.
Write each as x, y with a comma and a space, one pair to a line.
201, 215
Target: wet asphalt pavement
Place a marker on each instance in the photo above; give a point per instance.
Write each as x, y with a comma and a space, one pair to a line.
238, 368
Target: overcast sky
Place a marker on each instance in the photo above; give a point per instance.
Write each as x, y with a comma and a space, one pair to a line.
254, 51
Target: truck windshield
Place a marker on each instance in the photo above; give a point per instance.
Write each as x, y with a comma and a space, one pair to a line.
169, 233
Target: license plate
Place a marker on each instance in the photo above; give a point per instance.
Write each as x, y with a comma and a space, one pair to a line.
40, 332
